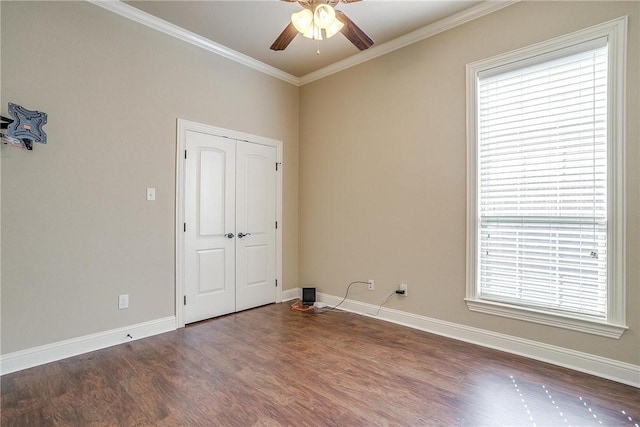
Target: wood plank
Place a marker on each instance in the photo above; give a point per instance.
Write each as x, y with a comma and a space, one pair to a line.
273, 366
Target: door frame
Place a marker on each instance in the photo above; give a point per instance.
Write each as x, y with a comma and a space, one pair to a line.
182, 128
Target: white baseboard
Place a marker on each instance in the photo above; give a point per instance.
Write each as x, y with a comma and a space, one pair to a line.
289, 294
621, 372
23, 359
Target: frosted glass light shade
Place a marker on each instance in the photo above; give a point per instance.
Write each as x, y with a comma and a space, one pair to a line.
303, 20
323, 16
313, 33
334, 28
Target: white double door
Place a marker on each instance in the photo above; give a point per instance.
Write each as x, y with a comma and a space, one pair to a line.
230, 192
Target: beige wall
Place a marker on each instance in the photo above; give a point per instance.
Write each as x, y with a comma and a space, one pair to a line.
76, 228
383, 171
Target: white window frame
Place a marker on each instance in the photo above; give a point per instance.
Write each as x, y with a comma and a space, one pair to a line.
615, 324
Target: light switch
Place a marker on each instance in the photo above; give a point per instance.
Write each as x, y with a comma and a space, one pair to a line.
151, 193
123, 301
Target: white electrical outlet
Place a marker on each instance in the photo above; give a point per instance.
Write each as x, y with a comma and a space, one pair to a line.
371, 284
404, 287
123, 301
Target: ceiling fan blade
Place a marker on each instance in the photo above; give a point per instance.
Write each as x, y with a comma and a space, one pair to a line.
349, 1
285, 38
352, 32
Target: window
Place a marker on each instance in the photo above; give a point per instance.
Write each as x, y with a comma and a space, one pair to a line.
546, 180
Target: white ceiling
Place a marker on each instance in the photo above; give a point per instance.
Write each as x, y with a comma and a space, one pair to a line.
249, 26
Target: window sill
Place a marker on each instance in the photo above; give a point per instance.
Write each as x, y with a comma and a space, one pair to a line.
545, 318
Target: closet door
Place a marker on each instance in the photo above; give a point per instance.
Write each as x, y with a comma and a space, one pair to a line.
210, 257
255, 223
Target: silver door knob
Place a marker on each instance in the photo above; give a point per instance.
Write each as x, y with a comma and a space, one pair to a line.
241, 235
229, 235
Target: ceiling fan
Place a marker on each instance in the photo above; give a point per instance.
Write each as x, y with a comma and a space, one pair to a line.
319, 20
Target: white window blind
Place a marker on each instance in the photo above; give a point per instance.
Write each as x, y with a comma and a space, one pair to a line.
542, 182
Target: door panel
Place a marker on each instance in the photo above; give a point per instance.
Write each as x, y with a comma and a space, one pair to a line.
256, 215
211, 200
210, 215
211, 269
257, 211
257, 258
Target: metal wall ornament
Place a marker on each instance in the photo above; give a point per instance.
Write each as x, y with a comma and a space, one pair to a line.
24, 128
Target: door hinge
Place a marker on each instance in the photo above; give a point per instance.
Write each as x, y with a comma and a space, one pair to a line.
276, 225
185, 227
276, 283
185, 300
185, 154
278, 163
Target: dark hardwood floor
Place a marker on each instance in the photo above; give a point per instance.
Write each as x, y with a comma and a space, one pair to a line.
273, 366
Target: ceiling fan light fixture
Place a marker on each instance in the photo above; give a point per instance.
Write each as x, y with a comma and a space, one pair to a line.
323, 16
303, 20
319, 20
314, 33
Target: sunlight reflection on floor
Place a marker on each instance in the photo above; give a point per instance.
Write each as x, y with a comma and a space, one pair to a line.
501, 400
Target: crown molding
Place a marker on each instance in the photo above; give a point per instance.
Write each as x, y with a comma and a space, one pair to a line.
130, 12
430, 30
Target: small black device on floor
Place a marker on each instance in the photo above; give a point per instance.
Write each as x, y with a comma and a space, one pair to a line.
308, 296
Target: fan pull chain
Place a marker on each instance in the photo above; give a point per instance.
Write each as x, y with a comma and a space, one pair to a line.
318, 51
